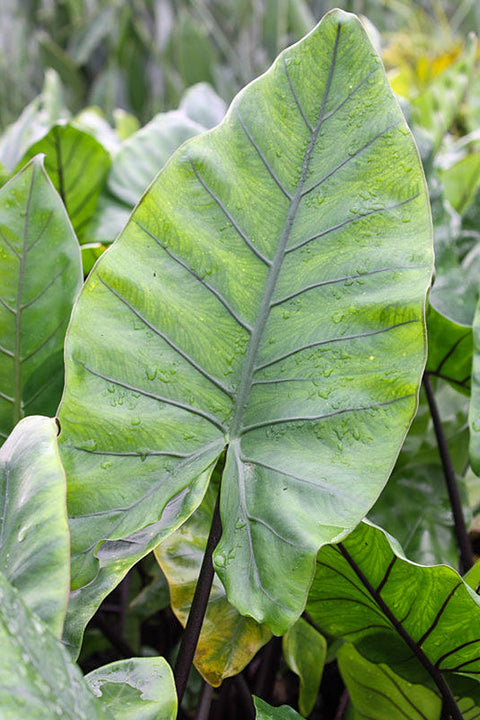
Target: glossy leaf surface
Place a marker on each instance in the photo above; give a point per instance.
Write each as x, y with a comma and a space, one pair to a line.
273, 305
228, 641
38, 678
34, 537
423, 621
305, 650
77, 165
136, 689
39, 279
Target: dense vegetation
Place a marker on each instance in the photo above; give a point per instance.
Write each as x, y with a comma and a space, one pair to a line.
255, 411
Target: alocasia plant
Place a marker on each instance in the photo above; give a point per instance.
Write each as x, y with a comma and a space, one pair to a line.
258, 327
266, 298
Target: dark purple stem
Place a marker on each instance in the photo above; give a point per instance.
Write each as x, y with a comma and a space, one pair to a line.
198, 608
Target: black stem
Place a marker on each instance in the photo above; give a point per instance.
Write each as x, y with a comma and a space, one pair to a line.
342, 705
434, 672
198, 608
245, 696
205, 703
463, 540
268, 670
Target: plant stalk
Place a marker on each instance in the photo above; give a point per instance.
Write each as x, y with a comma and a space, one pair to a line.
198, 608
463, 540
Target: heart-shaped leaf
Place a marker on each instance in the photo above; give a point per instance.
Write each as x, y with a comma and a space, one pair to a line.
227, 641
423, 621
266, 296
34, 537
77, 165
39, 279
136, 689
38, 678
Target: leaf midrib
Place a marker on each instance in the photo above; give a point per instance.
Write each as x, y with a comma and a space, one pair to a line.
248, 367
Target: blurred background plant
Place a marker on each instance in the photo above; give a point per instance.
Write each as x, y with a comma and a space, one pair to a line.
140, 55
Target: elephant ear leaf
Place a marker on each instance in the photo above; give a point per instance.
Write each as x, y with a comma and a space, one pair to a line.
409, 616
40, 276
267, 298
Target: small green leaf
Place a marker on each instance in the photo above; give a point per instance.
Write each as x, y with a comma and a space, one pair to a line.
77, 165
34, 537
267, 712
39, 280
461, 181
136, 689
305, 651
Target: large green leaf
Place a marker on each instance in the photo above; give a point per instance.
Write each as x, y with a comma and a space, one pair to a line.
34, 537
227, 641
77, 165
38, 678
40, 276
136, 689
266, 296
423, 621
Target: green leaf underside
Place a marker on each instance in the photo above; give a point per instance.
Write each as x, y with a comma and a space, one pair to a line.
396, 612
34, 537
275, 305
228, 640
77, 165
41, 275
136, 689
38, 678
